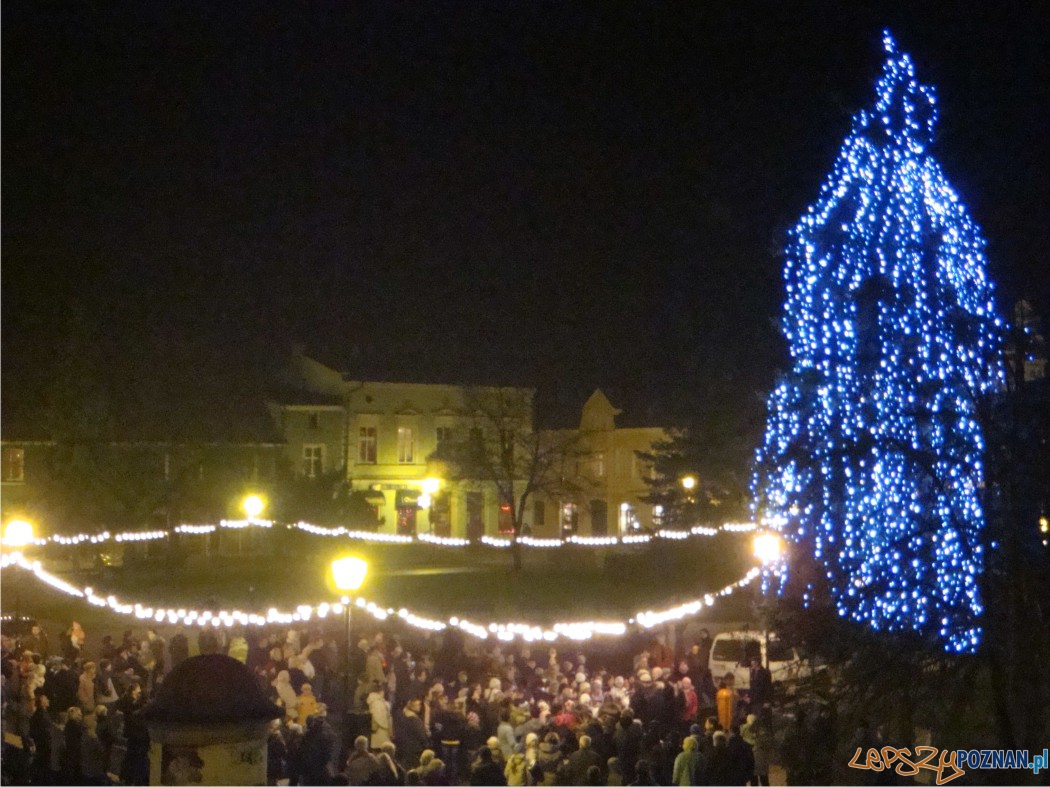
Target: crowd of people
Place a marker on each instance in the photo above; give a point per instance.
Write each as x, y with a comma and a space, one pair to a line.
441, 710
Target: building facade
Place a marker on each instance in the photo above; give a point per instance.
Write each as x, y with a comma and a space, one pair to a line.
604, 480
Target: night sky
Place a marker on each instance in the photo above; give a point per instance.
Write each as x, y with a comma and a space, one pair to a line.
562, 195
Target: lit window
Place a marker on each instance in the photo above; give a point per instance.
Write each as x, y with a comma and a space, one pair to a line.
598, 465
366, 445
313, 461
406, 445
14, 465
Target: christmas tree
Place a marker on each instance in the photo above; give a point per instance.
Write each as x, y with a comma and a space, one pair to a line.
871, 463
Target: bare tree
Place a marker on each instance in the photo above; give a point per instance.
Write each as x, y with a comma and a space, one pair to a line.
502, 448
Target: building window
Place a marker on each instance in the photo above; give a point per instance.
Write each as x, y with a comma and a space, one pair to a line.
444, 436
406, 445
628, 519
598, 465
366, 445
14, 465
314, 420
539, 513
313, 461
506, 518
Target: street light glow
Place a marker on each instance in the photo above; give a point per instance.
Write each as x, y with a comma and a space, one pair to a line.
431, 486
253, 506
18, 533
689, 483
349, 573
768, 547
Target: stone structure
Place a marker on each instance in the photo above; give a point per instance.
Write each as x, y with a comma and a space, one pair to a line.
209, 724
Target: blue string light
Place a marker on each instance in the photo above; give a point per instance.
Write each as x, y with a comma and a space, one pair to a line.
872, 453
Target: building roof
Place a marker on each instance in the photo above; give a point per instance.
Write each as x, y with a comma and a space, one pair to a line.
210, 689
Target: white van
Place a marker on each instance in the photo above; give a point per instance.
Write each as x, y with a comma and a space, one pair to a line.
732, 652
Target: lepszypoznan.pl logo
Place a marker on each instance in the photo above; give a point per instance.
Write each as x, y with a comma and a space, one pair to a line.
947, 765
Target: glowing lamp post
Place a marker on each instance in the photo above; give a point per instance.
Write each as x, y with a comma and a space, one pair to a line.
768, 547
18, 533
688, 483
430, 487
253, 506
348, 574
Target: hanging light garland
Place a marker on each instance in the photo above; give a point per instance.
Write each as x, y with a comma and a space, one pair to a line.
368, 536
574, 630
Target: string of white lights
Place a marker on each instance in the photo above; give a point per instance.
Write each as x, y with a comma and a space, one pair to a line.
369, 536
574, 630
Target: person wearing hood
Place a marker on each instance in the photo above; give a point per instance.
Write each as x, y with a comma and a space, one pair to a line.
549, 757
382, 723
688, 765
286, 694
307, 704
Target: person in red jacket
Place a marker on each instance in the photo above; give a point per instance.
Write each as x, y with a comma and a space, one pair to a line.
690, 704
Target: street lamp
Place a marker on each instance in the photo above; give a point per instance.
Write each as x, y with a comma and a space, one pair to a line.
768, 547
18, 533
689, 483
253, 506
348, 574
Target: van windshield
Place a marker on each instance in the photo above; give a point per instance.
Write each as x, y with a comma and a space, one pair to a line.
728, 650
740, 651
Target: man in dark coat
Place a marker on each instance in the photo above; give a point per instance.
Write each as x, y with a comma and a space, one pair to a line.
410, 734
741, 757
41, 731
582, 759
761, 687
61, 687
318, 747
486, 771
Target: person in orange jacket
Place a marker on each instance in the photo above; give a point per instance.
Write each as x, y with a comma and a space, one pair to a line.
725, 700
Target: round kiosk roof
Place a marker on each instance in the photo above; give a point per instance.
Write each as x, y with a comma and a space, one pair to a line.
210, 689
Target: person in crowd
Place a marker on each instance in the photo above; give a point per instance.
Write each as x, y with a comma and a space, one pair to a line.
725, 700
382, 721
73, 734
410, 734
92, 753
41, 735
581, 760
390, 772
486, 771
688, 765
761, 686
282, 686
86, 688
361, 766
306, 704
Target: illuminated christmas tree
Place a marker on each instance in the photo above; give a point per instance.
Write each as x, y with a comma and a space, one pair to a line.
871, 462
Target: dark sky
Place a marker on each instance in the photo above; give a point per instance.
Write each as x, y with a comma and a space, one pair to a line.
563, 195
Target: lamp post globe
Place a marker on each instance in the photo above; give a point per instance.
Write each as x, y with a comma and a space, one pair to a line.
348, 575
18, 533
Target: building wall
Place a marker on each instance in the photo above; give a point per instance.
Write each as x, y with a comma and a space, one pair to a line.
386, 415
65, 489
603, 474
315, 439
